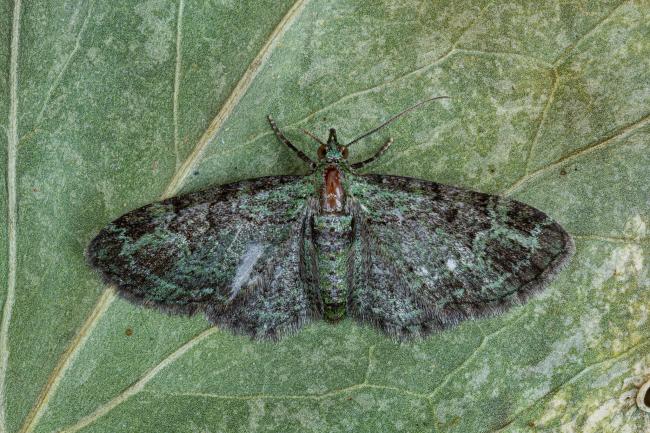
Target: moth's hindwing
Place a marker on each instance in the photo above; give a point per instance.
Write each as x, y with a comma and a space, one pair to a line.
236, 252
426, 256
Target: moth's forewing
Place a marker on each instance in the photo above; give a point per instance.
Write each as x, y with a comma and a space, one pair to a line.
427, 256
232, 251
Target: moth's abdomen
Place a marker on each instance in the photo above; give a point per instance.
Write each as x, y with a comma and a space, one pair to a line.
332, 235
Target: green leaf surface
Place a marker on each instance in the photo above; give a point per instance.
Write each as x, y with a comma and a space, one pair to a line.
106, 106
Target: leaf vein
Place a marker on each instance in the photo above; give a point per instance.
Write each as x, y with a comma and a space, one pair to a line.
541, 62
12, 211
140, 383
333, 393
233, 99
177, 77
612, 239
473, 355
66, 360
571, 47
590, 148
366, 376
542, 118
65, 67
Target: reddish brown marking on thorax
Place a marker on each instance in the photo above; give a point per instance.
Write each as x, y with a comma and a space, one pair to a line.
332, 195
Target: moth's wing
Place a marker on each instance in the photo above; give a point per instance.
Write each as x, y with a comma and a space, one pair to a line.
426, 256
236, 251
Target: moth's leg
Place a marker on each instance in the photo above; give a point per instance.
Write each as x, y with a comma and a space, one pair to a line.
286, 141
380, 152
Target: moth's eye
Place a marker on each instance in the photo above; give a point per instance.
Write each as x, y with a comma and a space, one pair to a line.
321, 152
344, 152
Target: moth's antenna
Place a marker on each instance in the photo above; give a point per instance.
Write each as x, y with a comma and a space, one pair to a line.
314, 137
372, 131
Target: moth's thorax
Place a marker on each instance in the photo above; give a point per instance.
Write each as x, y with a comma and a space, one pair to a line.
332, 194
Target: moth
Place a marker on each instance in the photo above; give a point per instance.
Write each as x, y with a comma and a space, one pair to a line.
262, 257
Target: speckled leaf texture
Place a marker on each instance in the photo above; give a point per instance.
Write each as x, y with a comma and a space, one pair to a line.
107, 106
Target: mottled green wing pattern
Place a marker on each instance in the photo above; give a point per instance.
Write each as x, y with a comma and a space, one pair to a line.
233, 251
426, 256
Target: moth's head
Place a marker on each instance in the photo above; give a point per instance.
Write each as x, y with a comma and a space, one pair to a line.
332, 151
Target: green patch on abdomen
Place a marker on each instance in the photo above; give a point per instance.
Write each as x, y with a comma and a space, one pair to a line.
332, 236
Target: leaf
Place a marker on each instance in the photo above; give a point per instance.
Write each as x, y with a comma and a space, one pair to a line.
109, 106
